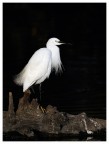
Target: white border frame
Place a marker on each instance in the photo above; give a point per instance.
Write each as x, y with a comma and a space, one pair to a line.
1, 64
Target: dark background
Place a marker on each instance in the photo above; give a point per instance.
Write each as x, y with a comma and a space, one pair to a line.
28, 26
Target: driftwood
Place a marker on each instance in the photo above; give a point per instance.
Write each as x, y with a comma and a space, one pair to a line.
29, 117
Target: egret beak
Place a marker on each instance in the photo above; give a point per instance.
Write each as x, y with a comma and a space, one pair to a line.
61, 42
69, 43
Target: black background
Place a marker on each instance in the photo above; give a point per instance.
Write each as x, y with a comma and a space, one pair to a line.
82, 85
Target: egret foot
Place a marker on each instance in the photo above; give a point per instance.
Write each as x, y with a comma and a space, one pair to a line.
42, 109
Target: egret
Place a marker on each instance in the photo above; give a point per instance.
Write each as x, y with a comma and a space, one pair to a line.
40, 65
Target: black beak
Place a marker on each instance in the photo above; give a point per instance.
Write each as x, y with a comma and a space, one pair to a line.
61, 42
69, 43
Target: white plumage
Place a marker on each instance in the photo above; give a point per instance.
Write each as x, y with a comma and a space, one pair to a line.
40, 65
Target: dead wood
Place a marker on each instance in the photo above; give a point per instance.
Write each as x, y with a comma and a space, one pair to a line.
30, 117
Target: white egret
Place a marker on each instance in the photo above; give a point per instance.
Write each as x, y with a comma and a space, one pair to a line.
40, 65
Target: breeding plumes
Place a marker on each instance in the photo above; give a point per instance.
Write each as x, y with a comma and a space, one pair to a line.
40, 65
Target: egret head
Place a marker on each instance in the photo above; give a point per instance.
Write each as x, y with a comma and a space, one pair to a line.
54, 41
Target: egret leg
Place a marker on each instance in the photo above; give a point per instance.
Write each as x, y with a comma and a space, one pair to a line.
40, 91
42, 109
32, 88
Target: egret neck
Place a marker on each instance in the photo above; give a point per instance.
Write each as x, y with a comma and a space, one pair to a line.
56, 60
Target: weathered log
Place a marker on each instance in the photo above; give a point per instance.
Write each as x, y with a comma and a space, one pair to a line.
30, 117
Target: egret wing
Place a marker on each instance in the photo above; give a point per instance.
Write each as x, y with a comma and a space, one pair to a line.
37, 67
